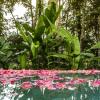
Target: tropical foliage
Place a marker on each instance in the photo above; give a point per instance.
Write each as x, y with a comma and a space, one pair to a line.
58, 36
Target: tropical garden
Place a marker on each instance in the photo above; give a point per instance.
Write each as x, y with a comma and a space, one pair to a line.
52, 52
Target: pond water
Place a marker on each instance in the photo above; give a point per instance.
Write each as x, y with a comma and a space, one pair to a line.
49, 85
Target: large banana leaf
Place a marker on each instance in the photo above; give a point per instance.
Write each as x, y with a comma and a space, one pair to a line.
76, 43
34, 48
52, 14
65, 34
24, 32
40, 27
22, 60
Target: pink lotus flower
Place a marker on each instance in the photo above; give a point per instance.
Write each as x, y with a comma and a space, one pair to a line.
26, 85
91, 72
96, 83
77, 81
43, 83
12, 80
59, 85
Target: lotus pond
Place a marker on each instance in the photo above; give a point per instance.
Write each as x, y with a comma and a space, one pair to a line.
49, 85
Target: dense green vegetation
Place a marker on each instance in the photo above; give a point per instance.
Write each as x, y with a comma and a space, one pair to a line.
61, 35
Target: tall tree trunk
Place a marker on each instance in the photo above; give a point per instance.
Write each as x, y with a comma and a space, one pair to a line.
78, 25
1, 20
31, 10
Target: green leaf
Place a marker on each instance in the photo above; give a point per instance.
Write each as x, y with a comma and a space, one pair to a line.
58, 55
87, 54
22, 31
2, 53
65, 34
27, 27
22, 60
96, 46
5, 46
40, 27
2, 40
76, 45
34, 48
50, 12
23, 34
9, 53
51, 25
58, 13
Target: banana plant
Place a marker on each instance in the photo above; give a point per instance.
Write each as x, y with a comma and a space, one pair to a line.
71, 51
36, 38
